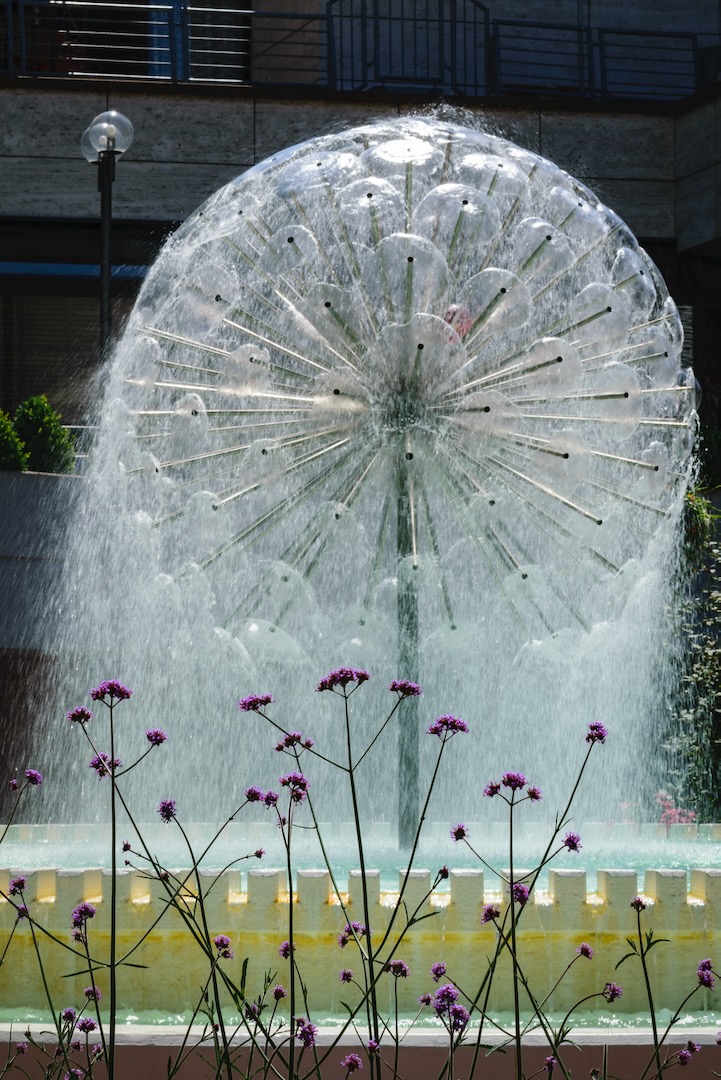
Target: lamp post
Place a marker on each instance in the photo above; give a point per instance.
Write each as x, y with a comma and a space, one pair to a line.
109, 136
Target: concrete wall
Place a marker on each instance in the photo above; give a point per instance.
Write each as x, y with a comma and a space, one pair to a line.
256, 918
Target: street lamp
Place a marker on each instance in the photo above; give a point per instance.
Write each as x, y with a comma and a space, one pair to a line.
109, 136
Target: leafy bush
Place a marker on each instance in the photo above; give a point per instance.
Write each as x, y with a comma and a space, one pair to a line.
12, 454
49, 447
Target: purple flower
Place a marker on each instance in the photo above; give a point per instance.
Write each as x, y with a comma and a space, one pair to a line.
458, 1017
398, 968
341, 677
69, 1015
110, 688
638, 904
520, 892
279, 992
705, 975
80, 715
550, 1064
97, 1051
126, 845
492, 789
346, 975
305, 1032
21, 1048
103, 766
534, 794
444, 997
92, 993
425, 999
490, 913
444, 873
285, 950
611, 991
254, 794
352, 1062
14, 783
21, 911
82, 913
294, 738
348, 933
448, 725
33, 777
693, 1047
513, 780
684, 1056
572, 841
252, 1010
297, 785
584, 949
17, 885
405, 688
438, 970
596, 733
76, 1045
459, 832
221, 941
156, 737
86, 1024
270, 798
255, 702
166, 809
372, 1046
706, 965
259, 852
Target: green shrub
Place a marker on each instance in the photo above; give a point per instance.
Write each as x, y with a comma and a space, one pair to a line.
50, 448
12, 455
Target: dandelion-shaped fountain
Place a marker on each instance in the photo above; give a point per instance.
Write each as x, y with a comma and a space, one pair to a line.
406, 389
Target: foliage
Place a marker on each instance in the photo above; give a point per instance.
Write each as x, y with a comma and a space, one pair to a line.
49, 446
12, 452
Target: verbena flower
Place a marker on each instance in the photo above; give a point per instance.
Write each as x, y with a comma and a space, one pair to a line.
259, 852
448, 725
492, 789
166, 809
611, 991
638, 904
13, 783
279, 992
156, 736
341, 677
255, 702
347, 933
86, 1024
398, 968
596, 733
97, 1051
372, 1046
254, 794
17, 885
285, 950
584, 949
292, 739
297, 785
112, 689
425, 999
513, 780
490, 913
346, 975
352, 1062
534, 794
405, 688
92, 993
69, 1015
222, 943
705, 974
80, 715
33, 777
550, 1064
21, 1048
126, 845
459, 832
271, 798
103, 766
458, 1017
693, 1047
305, 1032
520, 892
252, 1010
444, 873
82, 913
684, 1056
21, 911
444, 997
572, 841
438, 970
76, 1045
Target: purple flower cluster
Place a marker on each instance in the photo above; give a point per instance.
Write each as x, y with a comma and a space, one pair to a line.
279, 992
398, 968
297, 785
33, 777
405, 688
255, 702
448, 725
584, 949
520, 893
86, 1024
166, 809
445, 1004
352, 929
492, 789
294, 738
611, 991
80, 715
490, 913
596, 733
572, 841
459, 832
259, 852
92, 993
17, 885
352, 1062
534, 794
222, 944
285, 950
346, 975
156, 736
705, 974
112, 689
638, 904
69, 1015
82, 913
516, 781
22, 1048
341, 677
103, 766
438, 970
550, 1064
305, 1032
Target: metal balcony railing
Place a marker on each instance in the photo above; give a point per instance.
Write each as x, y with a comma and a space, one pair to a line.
427, 47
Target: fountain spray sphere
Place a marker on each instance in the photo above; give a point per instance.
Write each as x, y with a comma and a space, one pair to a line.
406, 396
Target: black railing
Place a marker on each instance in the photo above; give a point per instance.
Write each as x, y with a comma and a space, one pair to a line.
432, 48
